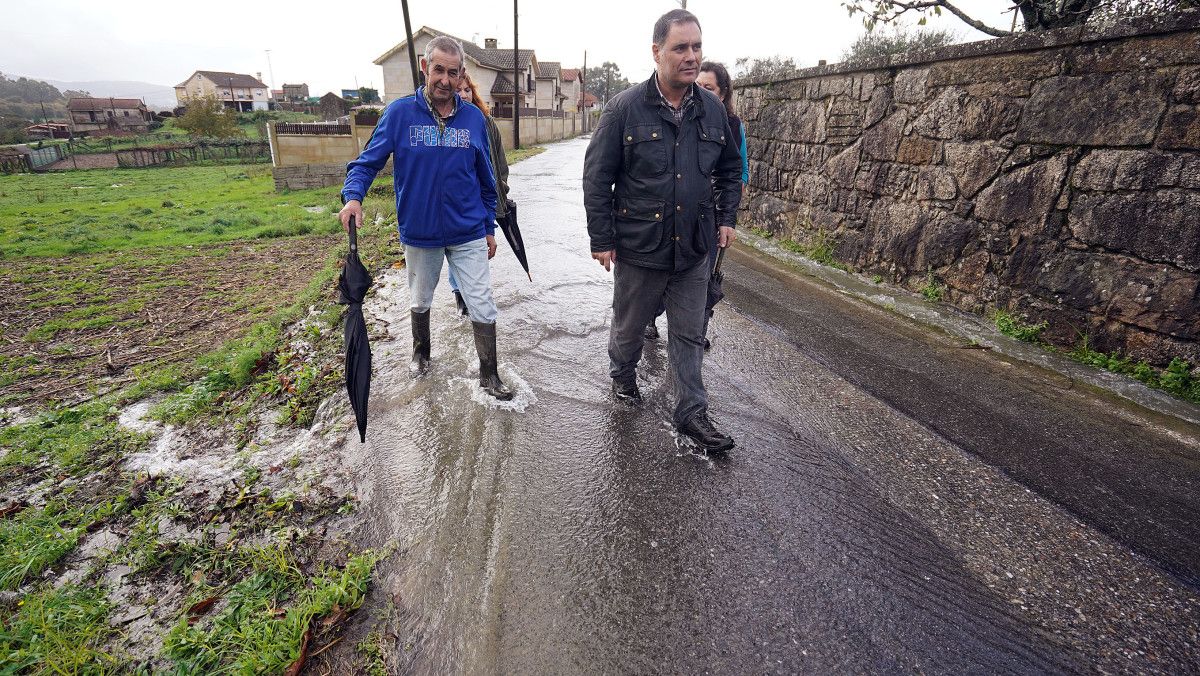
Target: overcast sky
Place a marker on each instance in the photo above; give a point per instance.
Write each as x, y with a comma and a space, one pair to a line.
331, 44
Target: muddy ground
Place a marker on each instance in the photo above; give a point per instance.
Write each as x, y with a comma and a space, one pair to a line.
157, 311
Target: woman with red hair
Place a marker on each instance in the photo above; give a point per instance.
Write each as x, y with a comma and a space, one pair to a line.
470, 94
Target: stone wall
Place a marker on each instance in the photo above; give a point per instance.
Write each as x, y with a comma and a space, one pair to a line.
1053, 174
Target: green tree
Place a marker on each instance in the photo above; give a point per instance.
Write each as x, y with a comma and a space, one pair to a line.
1034, 14
367, 95
605, 81
895, 42
206, 116
771, 66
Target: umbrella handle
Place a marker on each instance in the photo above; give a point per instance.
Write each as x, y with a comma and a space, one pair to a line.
353, 236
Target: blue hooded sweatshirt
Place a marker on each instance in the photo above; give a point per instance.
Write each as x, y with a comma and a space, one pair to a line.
445, 190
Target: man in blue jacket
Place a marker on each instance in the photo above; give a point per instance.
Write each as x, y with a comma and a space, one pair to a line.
445, 200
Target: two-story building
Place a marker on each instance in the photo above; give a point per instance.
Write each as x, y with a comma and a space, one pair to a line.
295, 93
572, 87
491, 68
97, 115
238, 91
549, 95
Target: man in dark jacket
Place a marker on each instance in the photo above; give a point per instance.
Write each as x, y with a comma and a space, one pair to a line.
445, 199
661, 185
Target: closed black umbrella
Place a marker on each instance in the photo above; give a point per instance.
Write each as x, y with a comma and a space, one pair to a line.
715, 293
508, 223
353, 283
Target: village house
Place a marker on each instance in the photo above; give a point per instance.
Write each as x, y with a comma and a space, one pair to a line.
549, 95
94, 115
238, 91
491, 69
296, 93
571, 85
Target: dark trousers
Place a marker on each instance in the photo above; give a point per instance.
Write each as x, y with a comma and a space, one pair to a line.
637, 293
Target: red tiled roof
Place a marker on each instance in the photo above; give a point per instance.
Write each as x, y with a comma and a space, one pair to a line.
83, 103
570, 74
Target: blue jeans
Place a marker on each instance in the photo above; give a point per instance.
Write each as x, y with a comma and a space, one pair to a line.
468, 264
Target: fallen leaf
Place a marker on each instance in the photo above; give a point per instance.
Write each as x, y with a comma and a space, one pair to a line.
296, 667
13, 508
201, 608
335, 617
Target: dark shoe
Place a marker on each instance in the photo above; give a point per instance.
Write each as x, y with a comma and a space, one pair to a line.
420, 333
626, 391
707, 345
489, 378
651, 331
462, 304
700, 430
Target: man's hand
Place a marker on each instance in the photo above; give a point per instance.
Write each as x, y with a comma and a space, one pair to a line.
352, 208
605, 258
725, 236
491, 240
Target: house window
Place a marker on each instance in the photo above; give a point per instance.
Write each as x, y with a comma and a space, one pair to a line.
127, 113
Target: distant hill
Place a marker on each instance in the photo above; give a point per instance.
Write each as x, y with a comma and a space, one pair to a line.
158, 97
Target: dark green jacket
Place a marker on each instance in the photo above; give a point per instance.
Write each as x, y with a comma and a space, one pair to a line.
499, 166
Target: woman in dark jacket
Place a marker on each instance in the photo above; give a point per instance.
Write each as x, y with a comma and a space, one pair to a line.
715, 79
470, 94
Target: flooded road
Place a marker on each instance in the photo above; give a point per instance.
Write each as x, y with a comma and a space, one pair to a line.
894, 503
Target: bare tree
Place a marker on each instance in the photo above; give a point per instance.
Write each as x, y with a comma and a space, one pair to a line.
1034, 14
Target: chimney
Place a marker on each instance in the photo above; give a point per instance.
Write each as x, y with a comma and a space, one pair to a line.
489, 43
258, 76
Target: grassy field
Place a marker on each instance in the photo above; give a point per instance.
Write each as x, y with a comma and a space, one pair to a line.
207, 291
67, 213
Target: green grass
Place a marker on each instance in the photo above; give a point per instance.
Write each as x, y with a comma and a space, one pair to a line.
371, 648
1175, 380
39, 537
932, 290
71, 438
1012, 326
820, 248
120, 210
58, 631
761, 232
513, 156
266, 616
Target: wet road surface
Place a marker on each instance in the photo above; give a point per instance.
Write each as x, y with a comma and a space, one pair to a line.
894, 503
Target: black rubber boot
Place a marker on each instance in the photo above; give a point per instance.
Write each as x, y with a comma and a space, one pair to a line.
701, 430
626, 391
462, 304
420, 331
485, 345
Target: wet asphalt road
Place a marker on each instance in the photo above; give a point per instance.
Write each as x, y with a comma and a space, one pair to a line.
895, 504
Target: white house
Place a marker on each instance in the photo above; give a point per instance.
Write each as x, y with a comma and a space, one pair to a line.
490, 68
549, 86
240, 92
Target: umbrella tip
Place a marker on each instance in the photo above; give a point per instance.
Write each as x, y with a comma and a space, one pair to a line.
529, 276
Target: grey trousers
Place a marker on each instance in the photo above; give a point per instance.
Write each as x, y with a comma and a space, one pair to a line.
637, 293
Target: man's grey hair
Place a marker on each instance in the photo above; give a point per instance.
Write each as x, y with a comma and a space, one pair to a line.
448, 45
664, 23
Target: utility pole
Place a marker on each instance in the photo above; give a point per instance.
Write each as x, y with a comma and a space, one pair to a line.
516, 82
583, 93
412, 50
270, 69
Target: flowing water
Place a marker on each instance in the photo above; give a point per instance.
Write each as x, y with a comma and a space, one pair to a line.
562, 533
